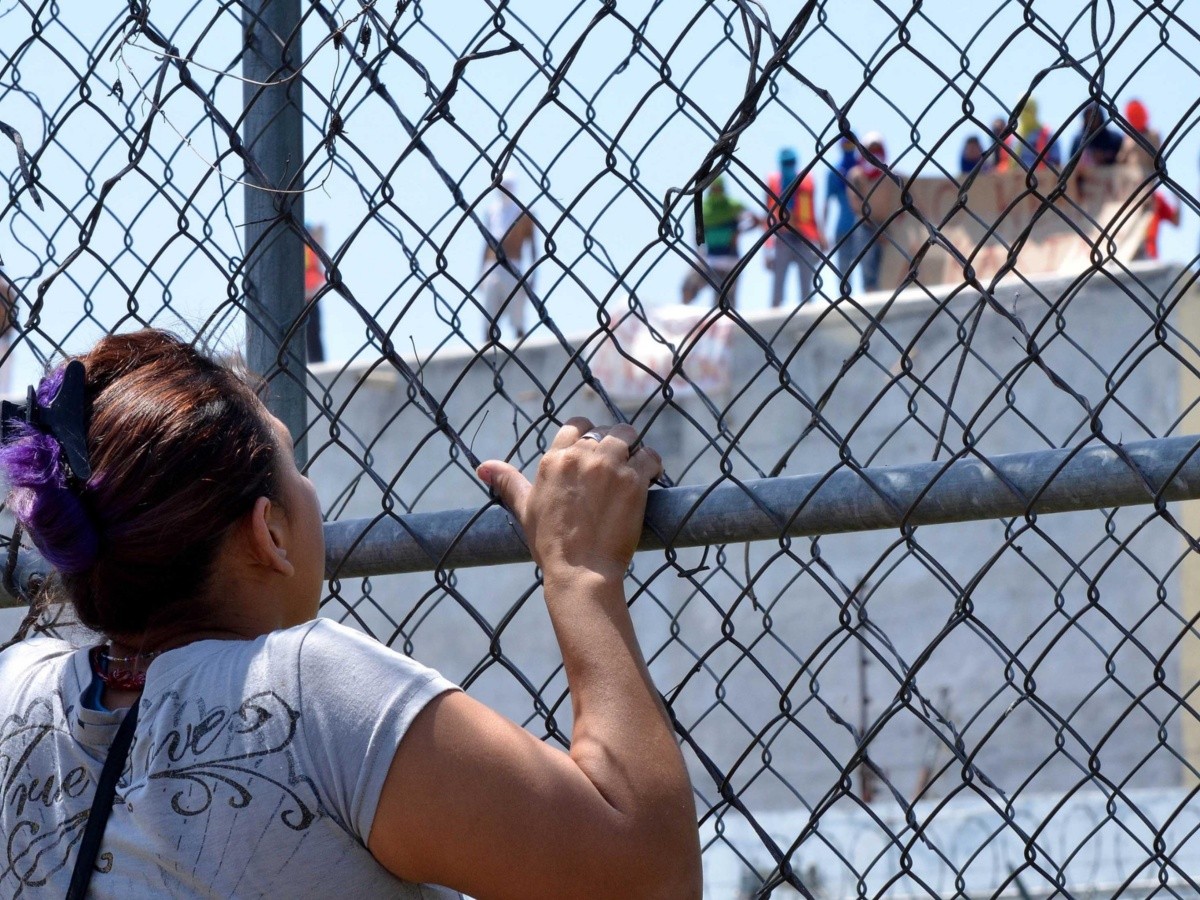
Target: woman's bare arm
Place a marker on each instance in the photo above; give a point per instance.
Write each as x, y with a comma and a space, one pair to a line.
477, 803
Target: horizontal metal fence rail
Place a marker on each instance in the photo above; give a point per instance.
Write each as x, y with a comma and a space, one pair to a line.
845, 500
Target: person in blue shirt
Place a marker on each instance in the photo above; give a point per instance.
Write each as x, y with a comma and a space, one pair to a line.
971, 157
1098, 144
848, 244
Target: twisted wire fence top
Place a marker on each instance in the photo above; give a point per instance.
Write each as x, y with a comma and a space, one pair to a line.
996, 708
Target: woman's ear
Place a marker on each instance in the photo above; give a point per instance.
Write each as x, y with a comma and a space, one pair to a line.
268, 537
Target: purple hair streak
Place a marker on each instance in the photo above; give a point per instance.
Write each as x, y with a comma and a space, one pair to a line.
43, 498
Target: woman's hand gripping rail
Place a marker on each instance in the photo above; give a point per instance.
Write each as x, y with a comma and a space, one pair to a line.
615, 816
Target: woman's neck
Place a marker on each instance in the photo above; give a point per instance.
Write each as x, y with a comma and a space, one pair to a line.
152, 643
136, 655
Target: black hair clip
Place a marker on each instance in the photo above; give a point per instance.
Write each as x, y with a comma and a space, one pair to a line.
63, 418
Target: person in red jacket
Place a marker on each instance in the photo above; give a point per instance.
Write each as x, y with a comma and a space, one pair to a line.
863, 181
1162, 210
795, 236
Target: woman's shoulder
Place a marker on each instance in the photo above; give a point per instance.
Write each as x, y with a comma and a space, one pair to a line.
33, 651
314, 636
325, 653
326, 635
35, 667
325, 646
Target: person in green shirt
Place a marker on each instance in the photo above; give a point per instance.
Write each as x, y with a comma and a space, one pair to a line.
723, 218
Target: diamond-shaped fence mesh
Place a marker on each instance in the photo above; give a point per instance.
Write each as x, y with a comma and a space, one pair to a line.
922, 594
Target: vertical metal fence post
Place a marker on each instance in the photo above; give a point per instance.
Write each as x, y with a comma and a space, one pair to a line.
1188, 328
272, 133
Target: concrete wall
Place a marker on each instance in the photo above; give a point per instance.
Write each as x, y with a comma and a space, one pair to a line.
1035, 642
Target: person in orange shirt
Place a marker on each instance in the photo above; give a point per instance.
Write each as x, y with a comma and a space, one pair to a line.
1000, 153
795, 236
314, 280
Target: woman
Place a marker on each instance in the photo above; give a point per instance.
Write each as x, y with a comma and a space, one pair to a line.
277, 754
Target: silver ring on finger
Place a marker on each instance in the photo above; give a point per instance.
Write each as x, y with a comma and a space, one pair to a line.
592, 435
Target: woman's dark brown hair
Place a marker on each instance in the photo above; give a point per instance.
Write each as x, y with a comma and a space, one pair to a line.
180, 449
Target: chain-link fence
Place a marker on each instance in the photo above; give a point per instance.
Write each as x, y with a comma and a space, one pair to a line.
893, 670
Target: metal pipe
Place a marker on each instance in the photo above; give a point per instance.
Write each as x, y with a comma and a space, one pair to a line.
845, 500
274, 206
30, 572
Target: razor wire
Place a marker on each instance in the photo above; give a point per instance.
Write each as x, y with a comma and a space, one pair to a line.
919, 587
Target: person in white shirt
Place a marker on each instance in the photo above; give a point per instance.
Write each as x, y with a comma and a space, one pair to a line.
258, 751
506, 287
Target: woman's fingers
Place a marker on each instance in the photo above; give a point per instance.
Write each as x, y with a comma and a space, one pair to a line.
624, 442
584, 506
619, 437
572, 430
647, 462
509, 484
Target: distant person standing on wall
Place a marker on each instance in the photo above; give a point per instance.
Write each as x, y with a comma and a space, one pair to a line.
864, 178
1141, 147
722, 216
794, 235
505, 287
971, 157
1096, 144
848, 242
999, 156
314, 280
1036, 147
1162, 209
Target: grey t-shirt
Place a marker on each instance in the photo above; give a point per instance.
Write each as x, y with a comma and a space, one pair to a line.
255, 770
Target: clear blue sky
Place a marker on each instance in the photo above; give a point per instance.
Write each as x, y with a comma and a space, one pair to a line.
921, 72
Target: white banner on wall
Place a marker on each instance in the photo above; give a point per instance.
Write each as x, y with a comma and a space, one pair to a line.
689, 346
